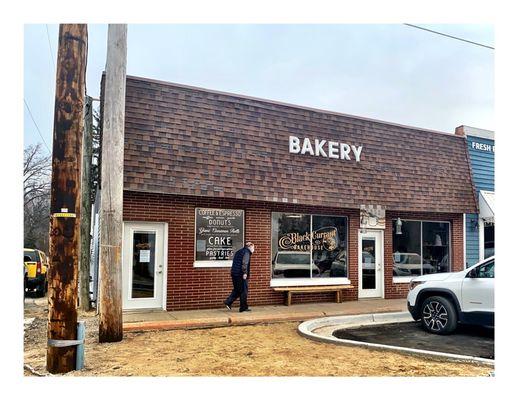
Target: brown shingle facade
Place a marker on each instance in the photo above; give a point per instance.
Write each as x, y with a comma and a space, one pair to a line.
188, 148
196, 142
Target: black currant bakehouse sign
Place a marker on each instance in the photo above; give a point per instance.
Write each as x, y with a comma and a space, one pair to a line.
325, 238
219, 233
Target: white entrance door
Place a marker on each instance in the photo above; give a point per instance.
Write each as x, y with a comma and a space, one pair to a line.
143, 265
370, 264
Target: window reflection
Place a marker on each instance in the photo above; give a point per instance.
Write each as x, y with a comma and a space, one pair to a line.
301, 252
407, 249
368, 264
486, 270
436, 244
143, 277
422, 248
329, 246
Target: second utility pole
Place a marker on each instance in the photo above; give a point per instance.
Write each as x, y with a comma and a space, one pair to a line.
112, 166
86, 209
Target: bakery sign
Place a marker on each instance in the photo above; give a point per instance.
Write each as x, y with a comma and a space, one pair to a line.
325, 148
219, 233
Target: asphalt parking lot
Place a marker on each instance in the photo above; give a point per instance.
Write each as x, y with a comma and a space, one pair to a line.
466, 340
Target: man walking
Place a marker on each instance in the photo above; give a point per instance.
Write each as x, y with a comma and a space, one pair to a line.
240, 274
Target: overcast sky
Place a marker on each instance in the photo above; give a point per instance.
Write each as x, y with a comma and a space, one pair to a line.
389, 72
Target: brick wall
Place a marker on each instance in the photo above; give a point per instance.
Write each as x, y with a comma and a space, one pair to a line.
193, 288
400, 290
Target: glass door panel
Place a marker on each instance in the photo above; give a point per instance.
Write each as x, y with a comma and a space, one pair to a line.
143, 265
370, 261
368, 264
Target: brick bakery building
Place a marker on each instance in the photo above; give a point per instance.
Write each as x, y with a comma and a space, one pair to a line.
327, 198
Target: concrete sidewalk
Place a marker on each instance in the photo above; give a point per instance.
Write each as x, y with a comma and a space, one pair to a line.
145, 320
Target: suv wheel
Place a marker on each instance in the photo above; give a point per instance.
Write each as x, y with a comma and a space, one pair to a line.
438, 315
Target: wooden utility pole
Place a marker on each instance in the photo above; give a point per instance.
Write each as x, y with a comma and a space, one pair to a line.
112, 165
65, 195
86, 209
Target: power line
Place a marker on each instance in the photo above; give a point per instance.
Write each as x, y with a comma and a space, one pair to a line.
50, 47
36, 125
450, 36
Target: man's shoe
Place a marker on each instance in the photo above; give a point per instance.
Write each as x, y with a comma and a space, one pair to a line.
248, 309
227, 306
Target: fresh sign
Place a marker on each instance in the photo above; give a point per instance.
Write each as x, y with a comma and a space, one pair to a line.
483, 147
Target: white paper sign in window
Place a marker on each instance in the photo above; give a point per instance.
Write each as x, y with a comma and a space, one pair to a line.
144, 256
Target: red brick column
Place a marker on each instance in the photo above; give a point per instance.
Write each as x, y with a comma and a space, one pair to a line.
457, 233
354, 226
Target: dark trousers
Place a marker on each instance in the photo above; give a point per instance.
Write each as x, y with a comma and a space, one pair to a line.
240, 290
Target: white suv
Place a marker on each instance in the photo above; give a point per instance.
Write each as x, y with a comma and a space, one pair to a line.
440, 301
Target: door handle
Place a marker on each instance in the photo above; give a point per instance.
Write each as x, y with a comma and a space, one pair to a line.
159, 269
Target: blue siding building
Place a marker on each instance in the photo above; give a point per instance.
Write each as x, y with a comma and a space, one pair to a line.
480, 228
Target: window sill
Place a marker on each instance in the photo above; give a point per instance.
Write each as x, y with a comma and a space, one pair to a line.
403, 279
213, 264
279, 282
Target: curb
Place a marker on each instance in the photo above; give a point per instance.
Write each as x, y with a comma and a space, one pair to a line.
213, 322
306, 329
225, 321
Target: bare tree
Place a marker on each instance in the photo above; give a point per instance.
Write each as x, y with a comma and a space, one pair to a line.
96, 155
36, 197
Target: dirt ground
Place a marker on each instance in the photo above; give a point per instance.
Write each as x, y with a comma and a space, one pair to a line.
257, 350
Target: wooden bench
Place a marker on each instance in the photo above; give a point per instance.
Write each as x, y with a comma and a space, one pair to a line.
312, 289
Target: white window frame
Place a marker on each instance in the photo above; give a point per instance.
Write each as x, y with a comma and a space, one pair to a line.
407, 279
480, 238
283, 282
366, 232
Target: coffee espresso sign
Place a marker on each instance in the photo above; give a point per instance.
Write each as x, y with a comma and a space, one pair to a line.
325, 148
219, 233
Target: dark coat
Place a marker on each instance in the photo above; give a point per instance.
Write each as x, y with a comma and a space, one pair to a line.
241, 262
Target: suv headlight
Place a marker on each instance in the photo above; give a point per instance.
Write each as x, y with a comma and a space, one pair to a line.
414, 284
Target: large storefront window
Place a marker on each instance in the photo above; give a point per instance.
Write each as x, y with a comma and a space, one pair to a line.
420, 248
308, 246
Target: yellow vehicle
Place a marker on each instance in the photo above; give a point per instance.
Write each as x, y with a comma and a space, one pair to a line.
35, 264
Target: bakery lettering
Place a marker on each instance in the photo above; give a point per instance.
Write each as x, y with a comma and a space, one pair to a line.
325, 148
